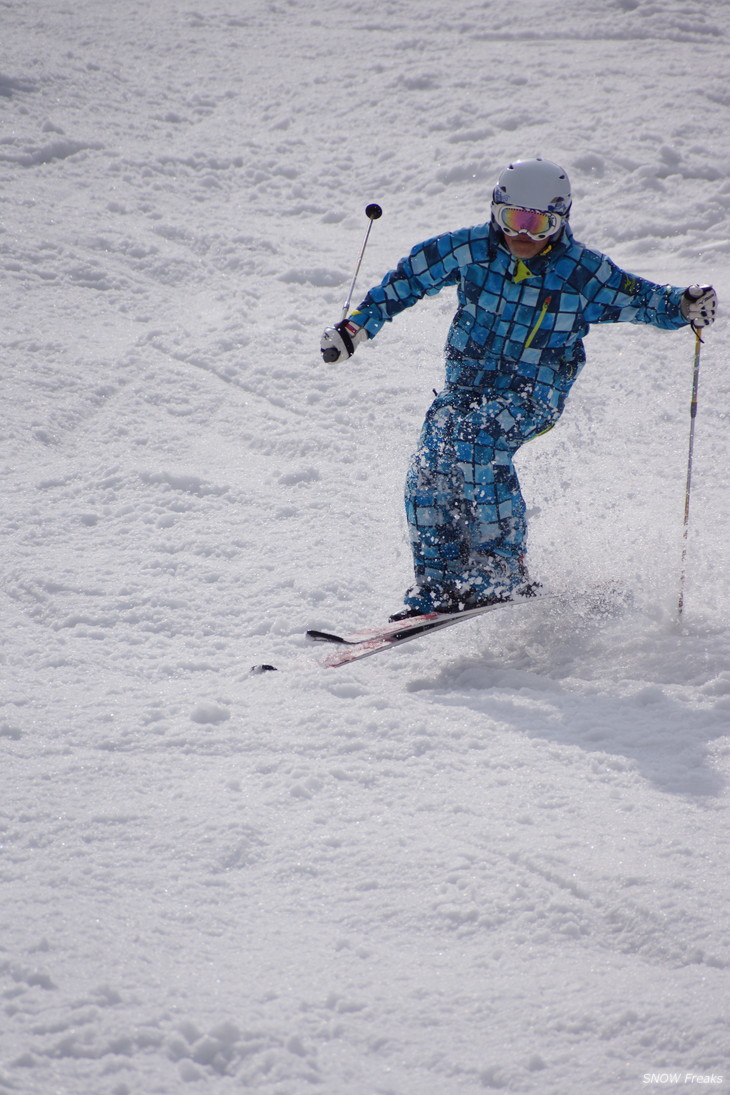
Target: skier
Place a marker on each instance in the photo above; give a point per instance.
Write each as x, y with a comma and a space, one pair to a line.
527, 294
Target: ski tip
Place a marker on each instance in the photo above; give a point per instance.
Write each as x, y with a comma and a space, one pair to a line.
263, 669
324, 637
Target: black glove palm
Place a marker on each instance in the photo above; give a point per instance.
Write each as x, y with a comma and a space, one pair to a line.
339, 342
699, 304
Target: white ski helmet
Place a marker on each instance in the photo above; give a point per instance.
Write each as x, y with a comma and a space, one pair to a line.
534, 184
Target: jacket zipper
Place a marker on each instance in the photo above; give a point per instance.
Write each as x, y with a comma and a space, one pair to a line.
538, 323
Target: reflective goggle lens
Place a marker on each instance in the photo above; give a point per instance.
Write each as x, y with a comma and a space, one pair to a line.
530, 222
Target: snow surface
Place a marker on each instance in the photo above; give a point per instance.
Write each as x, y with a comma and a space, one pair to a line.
496, 858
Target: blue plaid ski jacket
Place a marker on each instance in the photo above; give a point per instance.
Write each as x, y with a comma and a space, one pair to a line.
518, 326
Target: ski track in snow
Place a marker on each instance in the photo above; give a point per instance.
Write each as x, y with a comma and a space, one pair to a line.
495, 859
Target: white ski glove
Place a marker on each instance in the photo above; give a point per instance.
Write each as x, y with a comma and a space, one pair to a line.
699, 304
339, 342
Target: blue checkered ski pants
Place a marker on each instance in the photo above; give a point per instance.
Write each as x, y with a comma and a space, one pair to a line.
465, 510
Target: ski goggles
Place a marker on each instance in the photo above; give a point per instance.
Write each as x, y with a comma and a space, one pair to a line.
536, 224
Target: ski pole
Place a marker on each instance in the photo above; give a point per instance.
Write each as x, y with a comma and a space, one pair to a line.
693, 416
373, 212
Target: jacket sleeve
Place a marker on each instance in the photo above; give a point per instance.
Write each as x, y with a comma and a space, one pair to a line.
613, 296
429, 267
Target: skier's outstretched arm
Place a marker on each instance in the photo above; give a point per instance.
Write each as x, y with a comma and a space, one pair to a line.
614, 296
429, 267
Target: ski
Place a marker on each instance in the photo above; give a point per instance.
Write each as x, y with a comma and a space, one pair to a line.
366, 642
605, 599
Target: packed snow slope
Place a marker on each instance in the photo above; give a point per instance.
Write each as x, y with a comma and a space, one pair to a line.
493, 859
